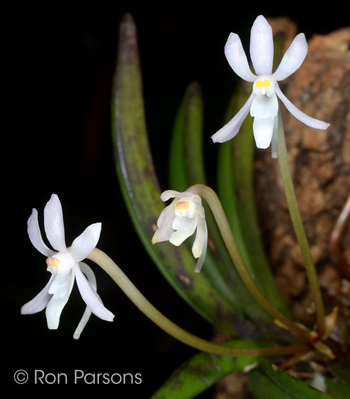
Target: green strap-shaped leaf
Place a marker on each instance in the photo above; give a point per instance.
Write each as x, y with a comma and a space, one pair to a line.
341, 371
266, 383
337, 390
141, 190
339, 385
228, 197
202, 371
178, 177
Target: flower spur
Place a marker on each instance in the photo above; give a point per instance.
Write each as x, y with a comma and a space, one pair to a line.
263, 103
65, 266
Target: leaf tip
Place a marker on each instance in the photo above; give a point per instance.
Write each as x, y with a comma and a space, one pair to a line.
127, 18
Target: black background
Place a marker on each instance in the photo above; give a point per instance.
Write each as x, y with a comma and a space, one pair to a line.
58, 63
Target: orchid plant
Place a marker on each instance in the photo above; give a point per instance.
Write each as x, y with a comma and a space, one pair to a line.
254, 317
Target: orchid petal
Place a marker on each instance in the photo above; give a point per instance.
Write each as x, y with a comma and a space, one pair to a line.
35, 235
200, 241
53, 222
200, 209
162, 234
231, 128
237, 58
166, 195
61, 288
261, 46
293, 58
86, 242
311, 122
85, 318
89, 295
87, 313
167, 214
201, 235
164, 224
39, 302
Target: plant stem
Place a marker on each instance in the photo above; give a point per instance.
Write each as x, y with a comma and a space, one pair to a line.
215, 205
108, 265
298, 226
334, 245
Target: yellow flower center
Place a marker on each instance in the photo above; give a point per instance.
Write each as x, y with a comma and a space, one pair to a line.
265, 83
182, 205
52, 262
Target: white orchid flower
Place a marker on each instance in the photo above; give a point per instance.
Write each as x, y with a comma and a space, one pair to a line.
65, 265
263, 103
180, 219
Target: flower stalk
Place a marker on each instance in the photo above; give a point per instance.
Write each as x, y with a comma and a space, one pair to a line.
215, 205
299, 227
111, 268
334, 246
